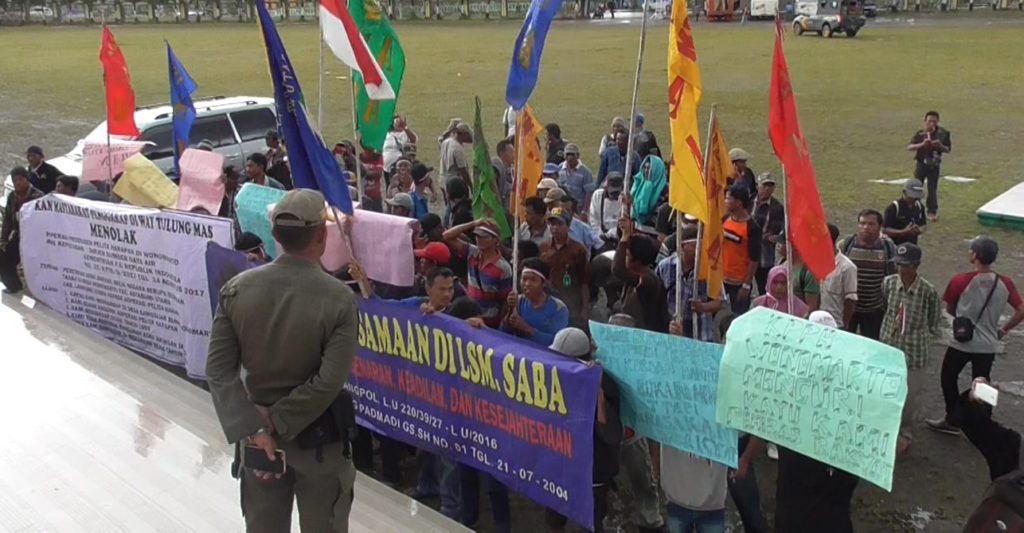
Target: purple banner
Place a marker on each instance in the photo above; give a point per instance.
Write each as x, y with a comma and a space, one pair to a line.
511, 409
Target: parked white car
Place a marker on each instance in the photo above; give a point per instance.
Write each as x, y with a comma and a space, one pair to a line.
236, 126
40, 14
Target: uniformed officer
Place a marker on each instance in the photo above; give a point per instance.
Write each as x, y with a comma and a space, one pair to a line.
281, 348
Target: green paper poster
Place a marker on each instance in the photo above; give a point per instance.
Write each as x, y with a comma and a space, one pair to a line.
828, 394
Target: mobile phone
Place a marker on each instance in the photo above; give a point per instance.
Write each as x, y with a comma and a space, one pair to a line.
985, 392
256, 459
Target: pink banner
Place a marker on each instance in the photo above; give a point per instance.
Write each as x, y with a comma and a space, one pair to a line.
382, 244
200, 184
99, 164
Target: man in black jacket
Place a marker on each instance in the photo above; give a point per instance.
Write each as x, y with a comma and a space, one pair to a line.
573, 342
771, 216
10, 236
42, 174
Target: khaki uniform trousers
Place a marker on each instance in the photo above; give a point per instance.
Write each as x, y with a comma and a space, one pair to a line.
323, 490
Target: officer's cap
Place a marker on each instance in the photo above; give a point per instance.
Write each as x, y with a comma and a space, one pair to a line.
305, 208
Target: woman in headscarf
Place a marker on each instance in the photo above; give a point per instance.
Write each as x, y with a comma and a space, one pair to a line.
777, 297
647, 189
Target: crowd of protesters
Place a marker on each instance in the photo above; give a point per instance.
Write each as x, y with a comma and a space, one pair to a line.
589, 249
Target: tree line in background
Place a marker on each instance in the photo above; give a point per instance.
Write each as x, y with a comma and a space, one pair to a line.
20, 12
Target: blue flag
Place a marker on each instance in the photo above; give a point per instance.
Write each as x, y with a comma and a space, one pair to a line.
183, 113
522, 75
313, 165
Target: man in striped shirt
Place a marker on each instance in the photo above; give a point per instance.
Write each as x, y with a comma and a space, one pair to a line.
872, 254
488, 274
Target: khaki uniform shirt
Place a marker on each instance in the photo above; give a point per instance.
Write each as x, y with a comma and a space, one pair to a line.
284, 337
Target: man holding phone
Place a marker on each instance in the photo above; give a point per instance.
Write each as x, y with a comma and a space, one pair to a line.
281, 347
928, 145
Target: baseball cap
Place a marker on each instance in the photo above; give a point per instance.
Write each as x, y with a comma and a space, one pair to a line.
547, 183
572, 342
420, 172
429, 222
907, 254
571, 148
561, 214
823, 318
34, 150
305, 205
985, 248
19, 171
488, 230
401, 199
248, 242
766, 178
550, 168
554, 195
914, 188
738, 154
613, 182
437, 252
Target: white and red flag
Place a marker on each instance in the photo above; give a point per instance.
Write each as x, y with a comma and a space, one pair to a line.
342, 36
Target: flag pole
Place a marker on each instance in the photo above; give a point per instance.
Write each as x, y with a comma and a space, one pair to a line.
700, 232
789, 241
320, 84
358, 143
516, 186
632, 108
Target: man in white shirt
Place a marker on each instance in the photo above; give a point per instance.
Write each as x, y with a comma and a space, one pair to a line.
839, 289
606, 207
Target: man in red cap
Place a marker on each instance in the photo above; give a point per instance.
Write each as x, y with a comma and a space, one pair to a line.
434, 255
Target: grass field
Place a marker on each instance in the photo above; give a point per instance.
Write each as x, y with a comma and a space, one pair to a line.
860, 101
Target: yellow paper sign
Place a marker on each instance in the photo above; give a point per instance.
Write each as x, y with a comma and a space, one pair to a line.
143, 184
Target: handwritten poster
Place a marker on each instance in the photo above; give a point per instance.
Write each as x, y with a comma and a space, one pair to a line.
200, 184
823, 392
381, 243
253, 203
668, 386
101, 162
143, 184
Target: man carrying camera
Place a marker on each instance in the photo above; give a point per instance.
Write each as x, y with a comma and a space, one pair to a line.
928, 146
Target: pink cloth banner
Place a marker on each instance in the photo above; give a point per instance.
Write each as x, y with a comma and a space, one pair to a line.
200, 184
382, 244
99, 164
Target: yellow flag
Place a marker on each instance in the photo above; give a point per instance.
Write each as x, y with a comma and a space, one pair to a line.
712, 269
686, 191
530, 156
143, 184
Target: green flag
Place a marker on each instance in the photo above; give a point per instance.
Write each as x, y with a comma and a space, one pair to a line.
486, 203
374, 116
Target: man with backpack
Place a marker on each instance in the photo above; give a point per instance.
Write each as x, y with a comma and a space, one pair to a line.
976, 300
873, 254
905, 219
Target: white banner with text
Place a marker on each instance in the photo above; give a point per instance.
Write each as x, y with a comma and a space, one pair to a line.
133, 275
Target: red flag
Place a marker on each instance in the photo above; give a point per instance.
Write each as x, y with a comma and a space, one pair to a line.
120, 96
808, 229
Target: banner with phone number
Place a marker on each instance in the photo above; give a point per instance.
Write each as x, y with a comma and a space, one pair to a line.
511, 409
